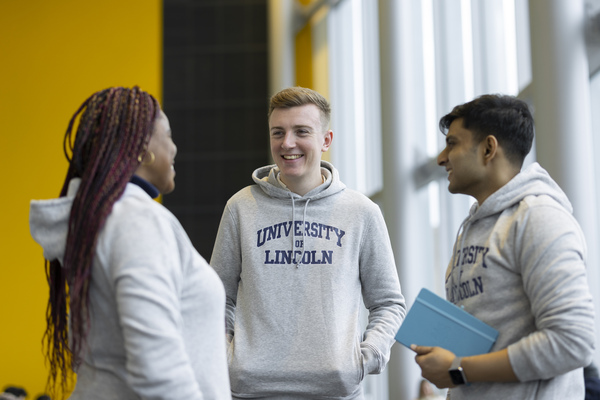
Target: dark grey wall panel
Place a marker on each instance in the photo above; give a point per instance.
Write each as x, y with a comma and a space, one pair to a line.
216, 96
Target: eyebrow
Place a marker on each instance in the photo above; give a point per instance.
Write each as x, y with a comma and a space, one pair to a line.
293, 127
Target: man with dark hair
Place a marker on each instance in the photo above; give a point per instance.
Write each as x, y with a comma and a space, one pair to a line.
296, 252
505, 117
518, 263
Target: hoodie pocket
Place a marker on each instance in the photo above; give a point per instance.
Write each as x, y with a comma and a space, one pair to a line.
360, 360
361, 366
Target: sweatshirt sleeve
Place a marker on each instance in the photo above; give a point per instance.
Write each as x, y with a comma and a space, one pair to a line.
551, 252
381, 294
226, 259
146, 270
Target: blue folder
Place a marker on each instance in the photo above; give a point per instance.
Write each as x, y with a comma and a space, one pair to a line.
433, 321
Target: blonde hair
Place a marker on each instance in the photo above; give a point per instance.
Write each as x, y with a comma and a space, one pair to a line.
299, 96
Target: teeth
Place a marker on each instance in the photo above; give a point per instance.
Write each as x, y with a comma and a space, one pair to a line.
292, 157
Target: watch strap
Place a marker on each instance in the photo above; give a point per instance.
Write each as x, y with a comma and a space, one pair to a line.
457, 374
456, 363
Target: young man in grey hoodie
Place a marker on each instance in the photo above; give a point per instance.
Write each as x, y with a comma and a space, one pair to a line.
295, 252
518, 263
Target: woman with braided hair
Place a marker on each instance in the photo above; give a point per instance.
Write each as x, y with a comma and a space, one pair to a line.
134, 310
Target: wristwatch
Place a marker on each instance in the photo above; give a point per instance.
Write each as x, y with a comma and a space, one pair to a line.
457, 374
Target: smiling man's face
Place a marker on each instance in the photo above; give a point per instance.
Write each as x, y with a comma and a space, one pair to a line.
462, 160
298, 138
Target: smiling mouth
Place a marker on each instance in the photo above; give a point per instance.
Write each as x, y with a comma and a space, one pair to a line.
292, 157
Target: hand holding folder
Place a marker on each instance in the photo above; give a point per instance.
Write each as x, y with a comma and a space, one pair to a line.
433, 321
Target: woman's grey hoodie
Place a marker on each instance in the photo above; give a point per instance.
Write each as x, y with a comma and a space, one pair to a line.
519, 266
156, 307
294, 268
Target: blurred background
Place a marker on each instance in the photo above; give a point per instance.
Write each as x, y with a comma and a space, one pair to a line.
390, 68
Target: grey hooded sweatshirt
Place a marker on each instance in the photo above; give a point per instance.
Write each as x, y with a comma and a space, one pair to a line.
519, 266
156, 307
294, 268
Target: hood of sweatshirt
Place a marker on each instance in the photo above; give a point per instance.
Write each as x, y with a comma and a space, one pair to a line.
533, 181
49, 222
266, 178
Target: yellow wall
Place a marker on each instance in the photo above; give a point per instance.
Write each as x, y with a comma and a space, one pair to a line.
311, 60
53, 55
303, 56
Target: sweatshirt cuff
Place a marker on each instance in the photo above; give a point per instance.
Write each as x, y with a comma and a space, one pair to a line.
371, 359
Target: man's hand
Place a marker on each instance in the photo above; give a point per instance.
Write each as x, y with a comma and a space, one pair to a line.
489, 367
434, 363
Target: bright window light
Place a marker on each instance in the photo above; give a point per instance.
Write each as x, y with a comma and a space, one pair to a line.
510, 47
467, 47
429, 72
359, 104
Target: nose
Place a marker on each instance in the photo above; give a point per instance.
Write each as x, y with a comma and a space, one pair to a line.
442, 158
289, 141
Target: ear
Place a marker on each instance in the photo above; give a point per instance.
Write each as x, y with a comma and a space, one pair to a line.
327, 139
490, 148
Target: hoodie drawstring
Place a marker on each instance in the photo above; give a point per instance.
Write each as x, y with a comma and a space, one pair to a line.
298, 261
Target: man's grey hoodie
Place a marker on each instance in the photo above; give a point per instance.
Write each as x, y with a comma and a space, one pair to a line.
294, 268
519, 266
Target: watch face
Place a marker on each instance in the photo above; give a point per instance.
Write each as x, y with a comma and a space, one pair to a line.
457, 377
